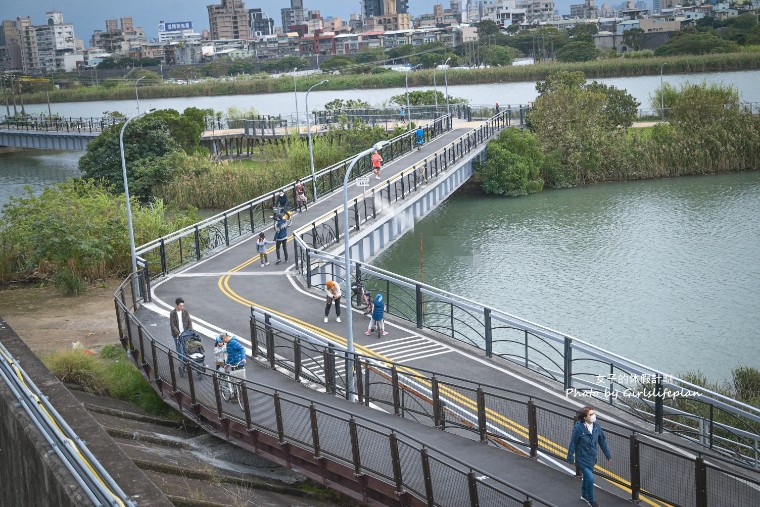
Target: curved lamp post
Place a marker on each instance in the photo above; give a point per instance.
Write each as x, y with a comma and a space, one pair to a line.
126, 190
435, 91
137, 97
446, 78
295, 94
347, 267
308, 132
662, 94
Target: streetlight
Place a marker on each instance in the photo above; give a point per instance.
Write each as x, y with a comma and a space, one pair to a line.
132, 252
408, 109
446, 78
435, 91
311, 148
295, 94
347, 267
662, 94
137, 97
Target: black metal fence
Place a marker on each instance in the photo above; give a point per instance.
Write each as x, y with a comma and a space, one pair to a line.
358, 456
195, 242
515, 114
59, 124
643, 464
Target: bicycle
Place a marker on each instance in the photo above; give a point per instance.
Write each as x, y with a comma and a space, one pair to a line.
362, 299
231, 383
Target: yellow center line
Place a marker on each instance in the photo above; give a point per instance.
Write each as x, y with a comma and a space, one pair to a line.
224, 286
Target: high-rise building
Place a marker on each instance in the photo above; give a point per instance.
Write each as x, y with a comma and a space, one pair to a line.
228, 20
292, 15
259, 24
10, 46
38, 48
116, 39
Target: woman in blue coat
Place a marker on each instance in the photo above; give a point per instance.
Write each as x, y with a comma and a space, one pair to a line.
586, 436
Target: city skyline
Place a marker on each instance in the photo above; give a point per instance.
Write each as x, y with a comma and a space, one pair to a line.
88, 16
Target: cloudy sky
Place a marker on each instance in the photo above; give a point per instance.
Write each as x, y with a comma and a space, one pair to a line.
89, 15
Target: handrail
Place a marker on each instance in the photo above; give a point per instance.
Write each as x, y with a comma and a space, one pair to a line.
86, 470
160, 362
59, 124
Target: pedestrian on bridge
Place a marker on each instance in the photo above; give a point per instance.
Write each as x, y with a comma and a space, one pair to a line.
261, 248
333, 295
281, 237
378, 311
179, 322
586, 436
301, 199
377, 163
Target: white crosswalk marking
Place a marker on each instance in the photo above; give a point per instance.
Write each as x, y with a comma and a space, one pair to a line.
409, 348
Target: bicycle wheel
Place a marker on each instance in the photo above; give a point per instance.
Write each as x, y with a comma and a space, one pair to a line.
239, 396
226, 389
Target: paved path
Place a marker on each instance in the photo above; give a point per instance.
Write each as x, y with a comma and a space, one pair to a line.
219, 291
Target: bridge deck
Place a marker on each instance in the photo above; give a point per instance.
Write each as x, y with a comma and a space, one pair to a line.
274, 288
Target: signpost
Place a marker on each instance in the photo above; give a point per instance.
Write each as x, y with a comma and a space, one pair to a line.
362, 181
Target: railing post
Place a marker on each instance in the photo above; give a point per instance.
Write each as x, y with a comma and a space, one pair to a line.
278, 417
314, 430
427, 477
359, 381
226, 231
355, 445
254, 333
329, 367
532, 429
418, 305
297, 359
482, 421
356, 214
197, 244
437, 407
217, 394
472, 486
396, 461
337, 228
396, 394
162, 253
659, 411
270, 340
635, 464
700, 482
489, 331
568, 377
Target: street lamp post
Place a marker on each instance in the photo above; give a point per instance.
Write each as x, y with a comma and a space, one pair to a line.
662, 94
446, 79
406, 86
347, 268
295, 94
311, 148
137, 97
132, 252
435, 90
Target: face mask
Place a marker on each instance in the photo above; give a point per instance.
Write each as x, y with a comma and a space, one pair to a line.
591, 418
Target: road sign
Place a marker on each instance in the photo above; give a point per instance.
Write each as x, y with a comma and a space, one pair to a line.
362, 182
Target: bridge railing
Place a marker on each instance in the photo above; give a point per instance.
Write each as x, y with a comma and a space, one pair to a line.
669, 403
516, 114
501, 417
360, 455
195, 242
59, 124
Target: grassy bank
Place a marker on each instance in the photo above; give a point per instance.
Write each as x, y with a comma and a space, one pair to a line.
618, 67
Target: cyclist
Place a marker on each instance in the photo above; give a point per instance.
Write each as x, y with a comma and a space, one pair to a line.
235, 352
282, 202
378, 310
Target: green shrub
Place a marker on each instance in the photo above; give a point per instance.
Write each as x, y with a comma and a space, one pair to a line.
69, 283
746, 381
78, 367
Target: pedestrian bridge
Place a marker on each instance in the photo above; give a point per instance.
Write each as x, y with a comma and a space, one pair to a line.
461, 404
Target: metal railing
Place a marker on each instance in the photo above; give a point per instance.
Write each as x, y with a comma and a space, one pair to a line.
505, 418
95, 482
195, 242
359, 456
59, 124
515, 114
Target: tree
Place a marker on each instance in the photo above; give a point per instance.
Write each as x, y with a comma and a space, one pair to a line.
369, 55
695, 44
336, 63
338, 104
499, 56
578, 52
486, 28
620, 109
513, 164
424, 98
633, 38
145, 139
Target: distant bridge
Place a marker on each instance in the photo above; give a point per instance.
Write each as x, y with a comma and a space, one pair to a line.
53, 133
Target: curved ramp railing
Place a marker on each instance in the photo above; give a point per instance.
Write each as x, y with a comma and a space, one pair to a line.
355, 455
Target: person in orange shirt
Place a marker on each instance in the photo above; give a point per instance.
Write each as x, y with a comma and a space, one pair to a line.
377, 163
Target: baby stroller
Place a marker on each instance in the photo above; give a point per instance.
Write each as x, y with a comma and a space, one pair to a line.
362, 299
193, 353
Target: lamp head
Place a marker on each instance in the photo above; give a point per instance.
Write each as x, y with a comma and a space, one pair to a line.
380, 144
324, 81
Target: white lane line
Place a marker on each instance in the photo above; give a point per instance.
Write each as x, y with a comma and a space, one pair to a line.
396, 340
227, 273
422, 357
430, 347
415, 343
419, 353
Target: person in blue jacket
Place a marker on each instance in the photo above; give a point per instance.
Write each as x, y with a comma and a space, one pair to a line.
586, 436
378, 311
280, 237
235, 352
420, 134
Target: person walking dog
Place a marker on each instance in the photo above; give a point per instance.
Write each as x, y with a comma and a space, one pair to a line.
586, 436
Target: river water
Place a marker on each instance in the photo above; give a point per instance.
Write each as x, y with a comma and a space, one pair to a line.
666, 272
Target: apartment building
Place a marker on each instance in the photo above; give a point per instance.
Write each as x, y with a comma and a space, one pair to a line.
259, 24
228, 20
119, 37
36, 49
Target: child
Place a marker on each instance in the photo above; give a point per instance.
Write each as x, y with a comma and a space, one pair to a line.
220, 353
378, 309
261, 247
301, 196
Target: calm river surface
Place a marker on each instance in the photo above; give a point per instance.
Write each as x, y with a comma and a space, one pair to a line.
664, 272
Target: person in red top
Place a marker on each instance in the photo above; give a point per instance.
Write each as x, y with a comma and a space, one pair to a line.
377, 163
